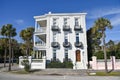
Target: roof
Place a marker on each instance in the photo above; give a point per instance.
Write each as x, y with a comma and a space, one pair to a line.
59, 14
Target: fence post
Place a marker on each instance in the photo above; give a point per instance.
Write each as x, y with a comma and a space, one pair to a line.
94, 62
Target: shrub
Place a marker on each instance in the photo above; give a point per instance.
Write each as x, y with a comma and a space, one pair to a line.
26, 65
67, 64
58, 64
54, 64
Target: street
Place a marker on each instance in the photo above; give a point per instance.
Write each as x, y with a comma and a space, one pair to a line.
9, 76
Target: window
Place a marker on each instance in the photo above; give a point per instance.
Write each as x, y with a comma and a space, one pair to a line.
77, 37
54, 37
66, 54
66, 38
76, 22
65, 21
54, 54
54, 21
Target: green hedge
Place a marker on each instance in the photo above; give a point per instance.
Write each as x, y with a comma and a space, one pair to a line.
58, 64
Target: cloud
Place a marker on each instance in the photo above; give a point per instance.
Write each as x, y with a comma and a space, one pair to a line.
112, 32
96, 13
19, 21
115, 21
113, 14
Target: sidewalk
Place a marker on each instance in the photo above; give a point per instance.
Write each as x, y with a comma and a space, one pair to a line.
48, 71
15, 67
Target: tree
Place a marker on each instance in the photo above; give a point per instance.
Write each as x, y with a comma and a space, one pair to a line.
111, 47
4, 45
9, 32
14, 44
101, 24
27, 36
93, 42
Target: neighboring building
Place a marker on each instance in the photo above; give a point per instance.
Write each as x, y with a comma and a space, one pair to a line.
61, 36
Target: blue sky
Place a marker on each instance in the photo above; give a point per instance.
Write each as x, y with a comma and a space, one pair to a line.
20, 12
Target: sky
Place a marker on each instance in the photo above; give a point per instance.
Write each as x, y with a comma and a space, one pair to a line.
20, 13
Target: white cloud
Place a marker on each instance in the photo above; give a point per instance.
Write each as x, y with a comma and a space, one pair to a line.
19, 21
115, 21
113, 14
103, 12
111, 32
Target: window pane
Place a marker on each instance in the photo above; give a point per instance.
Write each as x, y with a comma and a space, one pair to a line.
65, 21
54, 37
76, 21
54, 54
66, 37
54, 21
66, 54
77, 37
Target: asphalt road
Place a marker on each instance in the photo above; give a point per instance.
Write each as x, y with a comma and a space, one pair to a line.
8, 76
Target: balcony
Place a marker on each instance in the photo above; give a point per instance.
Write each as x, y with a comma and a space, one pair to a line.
77, 28
39, 45
55, 44
66, 44
55, 28
66, 28
40, 30
78, 44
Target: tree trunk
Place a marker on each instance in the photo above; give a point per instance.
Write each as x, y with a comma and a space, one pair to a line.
12, 56
5, 57
105, 54
9, 69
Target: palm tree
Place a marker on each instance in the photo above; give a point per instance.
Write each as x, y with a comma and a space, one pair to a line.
9, 32
27, 36
14, 45
101, 24
4, 44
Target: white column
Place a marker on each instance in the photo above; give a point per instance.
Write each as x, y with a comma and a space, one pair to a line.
34, 39
35, 26
37, 54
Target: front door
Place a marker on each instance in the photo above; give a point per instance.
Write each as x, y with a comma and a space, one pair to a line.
78, 57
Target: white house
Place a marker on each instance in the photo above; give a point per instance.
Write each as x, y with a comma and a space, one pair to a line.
61, 36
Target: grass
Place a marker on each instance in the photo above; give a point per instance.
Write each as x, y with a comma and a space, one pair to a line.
107, 74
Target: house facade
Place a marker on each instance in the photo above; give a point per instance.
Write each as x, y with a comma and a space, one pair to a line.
61, 36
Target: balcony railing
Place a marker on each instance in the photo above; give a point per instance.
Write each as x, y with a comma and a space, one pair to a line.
55, 28
37, 60
77, 28
41, 30
66, 44
78, 44
66, 28
55, 44
40, 45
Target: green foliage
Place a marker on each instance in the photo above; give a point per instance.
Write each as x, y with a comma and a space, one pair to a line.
26, 65
99, 55
67, 64
55, 64
27, 36
58, 64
